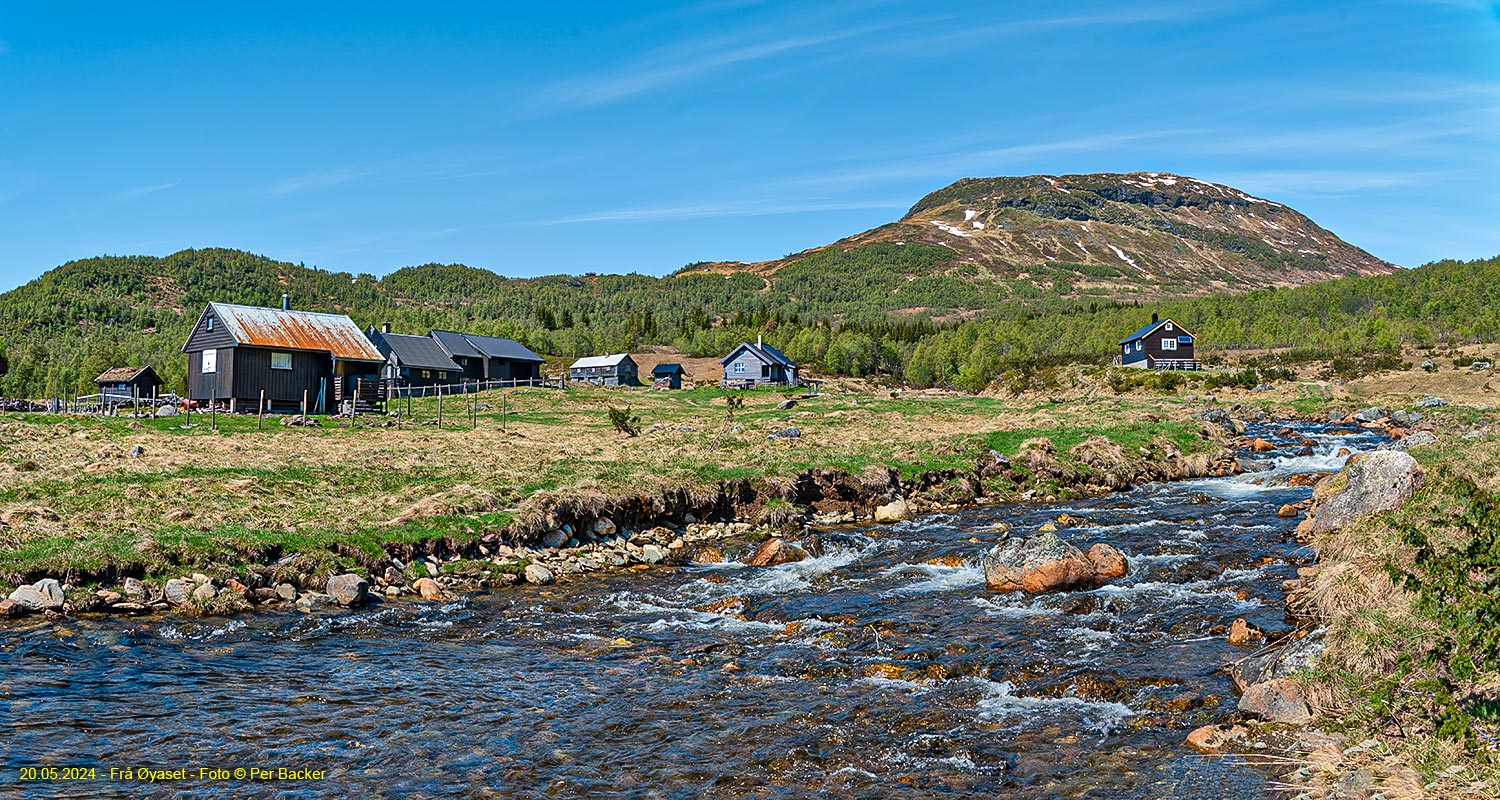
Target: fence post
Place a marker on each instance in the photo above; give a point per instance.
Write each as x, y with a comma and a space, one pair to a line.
213, 409
440, 407
304, 402
260, 411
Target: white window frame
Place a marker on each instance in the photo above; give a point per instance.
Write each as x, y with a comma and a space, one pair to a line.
739, 368
284, 358
1169, 343
210, 362
1169, 326
210, 323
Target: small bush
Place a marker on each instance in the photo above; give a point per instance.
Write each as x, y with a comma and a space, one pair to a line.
624, 421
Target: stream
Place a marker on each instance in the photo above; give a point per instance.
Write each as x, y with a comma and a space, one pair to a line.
883, 668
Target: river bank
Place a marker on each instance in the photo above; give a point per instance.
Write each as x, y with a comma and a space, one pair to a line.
882, 666
93, 503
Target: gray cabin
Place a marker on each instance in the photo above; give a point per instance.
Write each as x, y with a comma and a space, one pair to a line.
613, 370
758, 364
237, 352
489, 358
413, 360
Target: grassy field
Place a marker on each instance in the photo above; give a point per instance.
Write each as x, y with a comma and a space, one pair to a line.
73, 496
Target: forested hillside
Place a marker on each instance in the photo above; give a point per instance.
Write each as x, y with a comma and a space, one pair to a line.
860, 311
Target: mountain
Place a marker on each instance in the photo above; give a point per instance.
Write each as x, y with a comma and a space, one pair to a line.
1141, 234
947, 295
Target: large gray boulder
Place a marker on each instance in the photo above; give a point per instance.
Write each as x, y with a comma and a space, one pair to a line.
44, 595
1371, 414
1278, 700
1280, 662
1418, 439
348, 589
1369, 484
1041, 563
1221, 418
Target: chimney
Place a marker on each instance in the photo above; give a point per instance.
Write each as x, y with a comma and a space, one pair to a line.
286, 302
1154, 320
385, 327
758, 342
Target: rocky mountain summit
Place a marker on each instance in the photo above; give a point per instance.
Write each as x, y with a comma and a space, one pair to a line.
1114, 235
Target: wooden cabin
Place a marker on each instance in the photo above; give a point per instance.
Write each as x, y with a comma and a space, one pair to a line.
1162, 344
613, 370
489, 358
758, 364
235, 352
124, 384
413, 360
667, 376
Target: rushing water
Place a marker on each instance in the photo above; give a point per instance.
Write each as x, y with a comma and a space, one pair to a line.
866, 672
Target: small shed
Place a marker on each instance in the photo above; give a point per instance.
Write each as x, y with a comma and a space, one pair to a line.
667, 376
758, 364
414, 360
123, 384
612, 370
1161, 344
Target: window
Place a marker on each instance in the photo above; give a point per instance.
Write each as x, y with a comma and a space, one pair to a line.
426, 373
1138, 346
210, 323
739, 369
765, 370
281, 361
1169, 344
1169, 326
210, 361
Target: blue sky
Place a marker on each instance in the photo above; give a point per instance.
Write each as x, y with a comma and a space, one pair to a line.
546, 138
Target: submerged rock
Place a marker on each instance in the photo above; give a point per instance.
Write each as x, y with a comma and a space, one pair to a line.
775, 551
1107, 561
1041, 563
1213, 738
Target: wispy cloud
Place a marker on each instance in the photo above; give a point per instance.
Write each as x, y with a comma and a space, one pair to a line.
689, 61
674, 66
1323, 181
141, 191
322, 178
711, 210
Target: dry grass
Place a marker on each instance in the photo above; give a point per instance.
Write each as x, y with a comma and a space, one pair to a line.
71, 496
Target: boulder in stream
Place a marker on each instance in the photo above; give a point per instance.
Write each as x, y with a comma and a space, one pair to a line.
1278, 700
774, 551
1107, 561
1041, 563
894, 511
348, 589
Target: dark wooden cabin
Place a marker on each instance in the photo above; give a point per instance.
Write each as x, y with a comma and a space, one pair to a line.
612, 370
414, 360
757, 364
124, 384
667, 376
235, 352
1162, 344
490, 358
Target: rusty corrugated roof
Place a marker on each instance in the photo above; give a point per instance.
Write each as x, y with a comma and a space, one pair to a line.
335, 334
